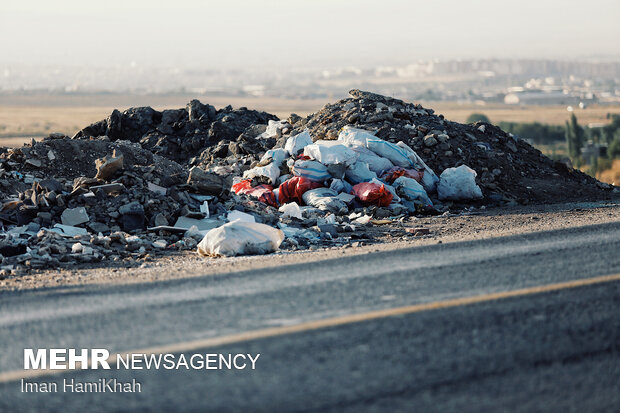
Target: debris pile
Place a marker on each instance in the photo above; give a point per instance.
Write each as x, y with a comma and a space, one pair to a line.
144, 183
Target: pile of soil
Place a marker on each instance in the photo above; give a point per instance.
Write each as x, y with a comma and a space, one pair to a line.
509, 169
178, 165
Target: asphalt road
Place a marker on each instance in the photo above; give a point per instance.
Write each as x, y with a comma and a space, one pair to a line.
400, 332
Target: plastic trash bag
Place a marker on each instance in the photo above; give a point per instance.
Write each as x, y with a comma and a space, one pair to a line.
291, 210
392, 174
263, 193
359, 172
270, 172
324, 199
430, 179
397, 155
241, 238
372, 194
375, 162
340, 185
412, 190
458, 184
352, 137
312, 170
294, 188
274, 129
330, 152
395, 197
277, 156
296, 143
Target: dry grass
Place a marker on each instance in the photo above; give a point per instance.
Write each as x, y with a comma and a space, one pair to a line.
549, 114
612, 175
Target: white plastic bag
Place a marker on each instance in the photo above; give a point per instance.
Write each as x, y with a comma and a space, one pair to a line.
296, 143
324, 199
241, 238
352, 137
359, 172
411, 190
277, 156
274, 129
429, 179
375, 162
271, 172
291, 210
330, 152
458, 184
393, 152
313, 170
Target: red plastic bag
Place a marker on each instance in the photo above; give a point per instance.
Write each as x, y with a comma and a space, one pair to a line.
393, 174
292, 189
264, 193
242, 185
372, 194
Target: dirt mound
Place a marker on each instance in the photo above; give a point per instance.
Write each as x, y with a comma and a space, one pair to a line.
143, 182
183, 134
509, 169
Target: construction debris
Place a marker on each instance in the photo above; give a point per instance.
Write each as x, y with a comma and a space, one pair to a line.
355, 167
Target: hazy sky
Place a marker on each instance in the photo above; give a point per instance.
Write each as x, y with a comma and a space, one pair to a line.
297, 33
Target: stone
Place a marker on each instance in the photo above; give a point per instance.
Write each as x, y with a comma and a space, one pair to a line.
157, 189
330, 229
132, 216
510, 145
160, 220
205, 182
109, 165
160, 244
34, 162
429, 141
98, 227
74, 216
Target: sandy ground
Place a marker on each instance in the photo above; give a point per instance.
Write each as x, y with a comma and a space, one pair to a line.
478, 224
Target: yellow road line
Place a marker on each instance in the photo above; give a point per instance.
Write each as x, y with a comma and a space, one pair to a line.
325, 323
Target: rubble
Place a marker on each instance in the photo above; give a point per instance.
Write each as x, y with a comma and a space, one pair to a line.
112, 192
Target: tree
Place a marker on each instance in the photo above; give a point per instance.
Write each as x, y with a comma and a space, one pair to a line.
614, 148
575, 137
478, 117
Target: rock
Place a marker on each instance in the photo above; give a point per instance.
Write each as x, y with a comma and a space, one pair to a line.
160, 244
330, 229
205, 182
108, 166
132, 216
511, 145
429, 141
160, 220
98, 227
34, 162
74, 216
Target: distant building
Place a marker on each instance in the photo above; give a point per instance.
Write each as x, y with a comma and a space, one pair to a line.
538, 97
